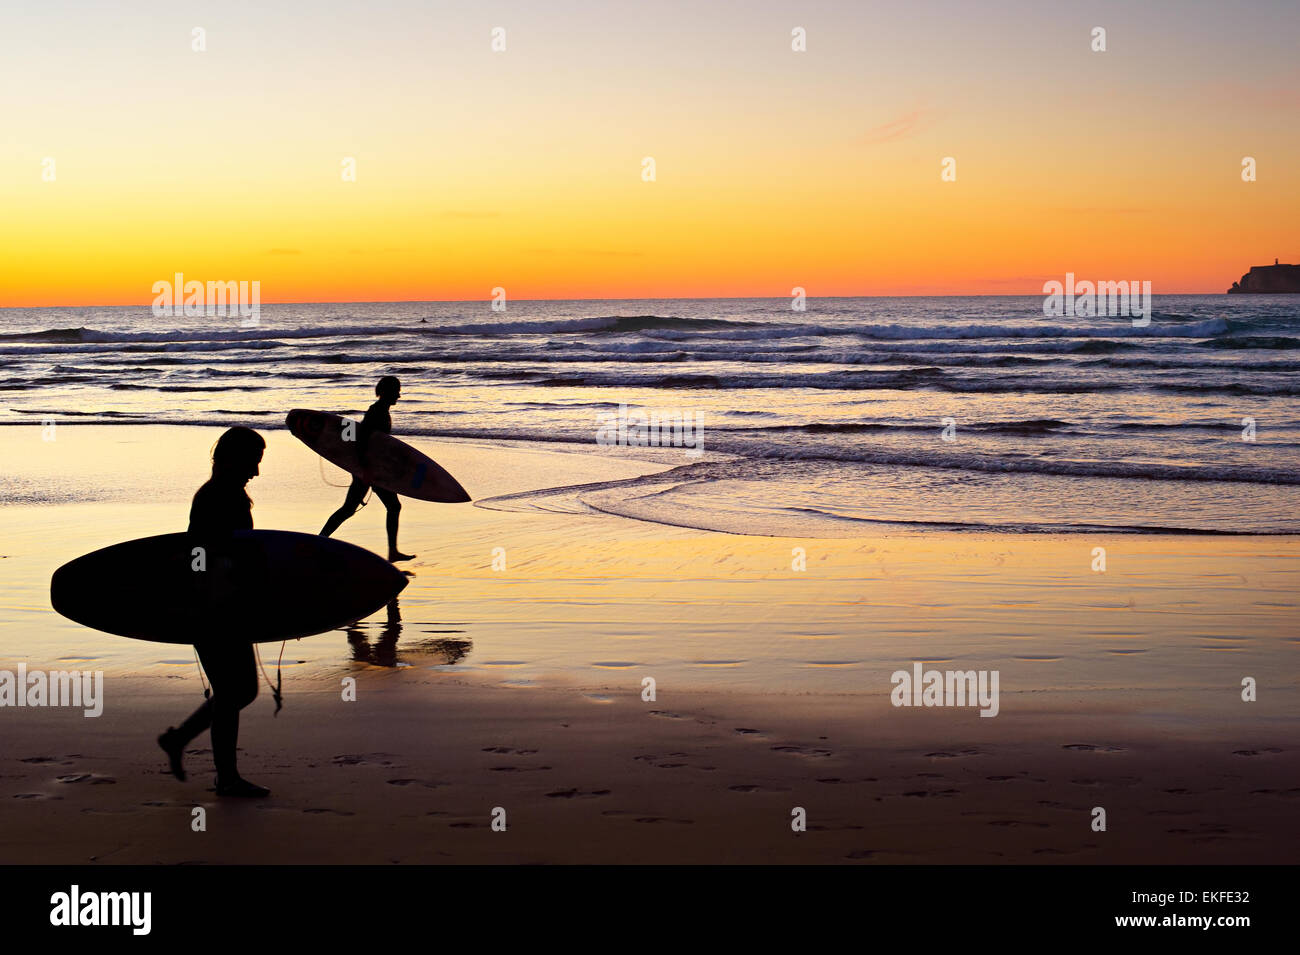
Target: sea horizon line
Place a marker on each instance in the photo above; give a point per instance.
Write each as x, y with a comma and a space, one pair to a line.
672, 298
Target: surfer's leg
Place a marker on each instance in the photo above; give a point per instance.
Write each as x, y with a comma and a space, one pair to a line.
175, 740
198, 721
356, 494
394, 506
232, 670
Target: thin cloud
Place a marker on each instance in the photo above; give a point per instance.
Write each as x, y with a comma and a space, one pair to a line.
616, 253
1007, 280
1281, 93
909, 124
1101, 211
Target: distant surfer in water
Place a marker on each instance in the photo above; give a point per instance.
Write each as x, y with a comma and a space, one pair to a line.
388, 389
221, 507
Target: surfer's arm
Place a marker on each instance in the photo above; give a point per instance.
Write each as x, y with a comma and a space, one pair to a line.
369, 425
363, 437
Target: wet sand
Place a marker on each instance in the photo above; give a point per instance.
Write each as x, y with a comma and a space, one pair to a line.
521, 688
415, 768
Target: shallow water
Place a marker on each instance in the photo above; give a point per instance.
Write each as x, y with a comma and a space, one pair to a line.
600, 602
973, 412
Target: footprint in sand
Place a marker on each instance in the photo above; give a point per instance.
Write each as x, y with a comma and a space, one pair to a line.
1022, 776
507, 749
34, 796
1204, 831
936, 792
747, 731
654, 819
642, 817
426, 783
93, 778
1092, 748
1117, 781
364, 759
577, 794
1011, 823
806, 751
669, 761
1256, 752
518, 769
330, 812
756, 788
957, 755
843, 827
1053, 804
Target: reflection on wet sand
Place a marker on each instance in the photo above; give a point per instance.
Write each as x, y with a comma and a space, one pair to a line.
444, 651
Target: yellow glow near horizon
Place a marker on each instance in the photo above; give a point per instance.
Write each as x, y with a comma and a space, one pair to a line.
522, 169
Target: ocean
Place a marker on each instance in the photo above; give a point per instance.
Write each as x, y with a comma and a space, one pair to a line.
852, 417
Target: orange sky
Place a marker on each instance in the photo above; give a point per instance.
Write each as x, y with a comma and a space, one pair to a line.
523, 168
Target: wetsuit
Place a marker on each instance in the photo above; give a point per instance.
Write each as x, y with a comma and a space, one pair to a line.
376, 419
218, 510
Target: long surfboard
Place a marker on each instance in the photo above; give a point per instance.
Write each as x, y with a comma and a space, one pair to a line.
267, 586
390, 463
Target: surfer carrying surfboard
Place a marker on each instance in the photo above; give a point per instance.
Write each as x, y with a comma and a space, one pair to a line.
388, 389
221, 507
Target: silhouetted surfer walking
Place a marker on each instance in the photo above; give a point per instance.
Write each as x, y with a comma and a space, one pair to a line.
221, 507
388, 389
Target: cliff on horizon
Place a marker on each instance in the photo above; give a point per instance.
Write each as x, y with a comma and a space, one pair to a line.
1269, 278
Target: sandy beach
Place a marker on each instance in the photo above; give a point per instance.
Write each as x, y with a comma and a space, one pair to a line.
521, 687
701, 779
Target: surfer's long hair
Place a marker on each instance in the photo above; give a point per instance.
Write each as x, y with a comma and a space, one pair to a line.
235, 451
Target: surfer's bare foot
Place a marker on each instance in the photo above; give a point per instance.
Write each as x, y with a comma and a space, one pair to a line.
175, 751
395, 555
241, 787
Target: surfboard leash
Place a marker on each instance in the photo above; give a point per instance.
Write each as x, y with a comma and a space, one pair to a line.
320, 464
207, 691
275, 690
